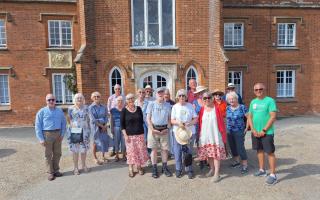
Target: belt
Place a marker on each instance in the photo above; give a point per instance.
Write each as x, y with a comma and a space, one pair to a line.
160, 127
51, 130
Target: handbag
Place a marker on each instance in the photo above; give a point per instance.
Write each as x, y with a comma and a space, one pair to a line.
76, 135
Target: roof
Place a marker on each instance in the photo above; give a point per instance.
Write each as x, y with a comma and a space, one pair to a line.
273, 4
44, 1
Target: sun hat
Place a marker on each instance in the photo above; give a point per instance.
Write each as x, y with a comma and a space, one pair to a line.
148, 87
160, 89
217, 91
183, 135
231, 85
200, 88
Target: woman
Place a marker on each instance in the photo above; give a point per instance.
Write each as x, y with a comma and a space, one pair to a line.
182, 115
212, 136
116, 129
236, 129
131, 120
78, 119
222, 105
99, 120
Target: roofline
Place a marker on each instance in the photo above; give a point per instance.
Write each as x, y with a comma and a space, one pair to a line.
39, 1
279, 6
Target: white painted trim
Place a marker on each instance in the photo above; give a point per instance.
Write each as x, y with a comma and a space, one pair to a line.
110, 79
233, 78
5, 34
285, 83
191, 67
233, 35
286, 30
62, 89
7, 104
60, 33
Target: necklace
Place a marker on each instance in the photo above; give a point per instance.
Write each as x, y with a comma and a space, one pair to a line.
132, 109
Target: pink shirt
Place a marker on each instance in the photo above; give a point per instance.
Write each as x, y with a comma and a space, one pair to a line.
191, 96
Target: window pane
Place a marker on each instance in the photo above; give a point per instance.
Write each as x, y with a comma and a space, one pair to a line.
238, 35
281, 34
4, 90
290, 37
153, 23
138, 23
228, 34
167, 24
58, 88
66, 33
54, 33
161, 81
3, 39
115, 79
147, 81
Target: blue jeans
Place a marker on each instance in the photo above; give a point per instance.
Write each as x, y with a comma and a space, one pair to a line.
236, 143
145, 134
179, 156
171, 141
119, 140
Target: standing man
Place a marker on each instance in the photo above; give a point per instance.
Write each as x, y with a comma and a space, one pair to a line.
191, 92
262, 115
232, 88
148, 89
112, 103
158, 117
50, 127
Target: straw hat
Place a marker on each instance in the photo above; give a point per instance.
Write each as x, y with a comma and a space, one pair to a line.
148, 87
231, 85
183, 135
217, 91
200, 89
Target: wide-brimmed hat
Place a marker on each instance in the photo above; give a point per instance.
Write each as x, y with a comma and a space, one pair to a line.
148, 87
183, 135
200, 88
217, 91
231, 85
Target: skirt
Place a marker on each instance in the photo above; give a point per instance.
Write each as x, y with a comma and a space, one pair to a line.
211, 151
136, 150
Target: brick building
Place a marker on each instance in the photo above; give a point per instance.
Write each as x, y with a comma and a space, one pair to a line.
156, 42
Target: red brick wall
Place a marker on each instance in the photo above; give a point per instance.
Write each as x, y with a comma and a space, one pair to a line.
260, 54
27, 43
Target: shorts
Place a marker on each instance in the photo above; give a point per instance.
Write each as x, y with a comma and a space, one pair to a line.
154, 141
265, 143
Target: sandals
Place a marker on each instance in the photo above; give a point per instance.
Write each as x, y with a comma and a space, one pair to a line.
85, 169
76, 172
117, 158
131, 174
98, 162
141, 171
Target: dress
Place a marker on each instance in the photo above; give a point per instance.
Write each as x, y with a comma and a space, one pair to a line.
210, 142
98, 114
79, 118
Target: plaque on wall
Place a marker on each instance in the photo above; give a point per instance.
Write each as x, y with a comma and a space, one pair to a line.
60, 59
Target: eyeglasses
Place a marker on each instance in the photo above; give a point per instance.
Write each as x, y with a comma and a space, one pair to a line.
51, 100
116, 88
148, 91
258, 89
182, 95
206, 98
96, 96
141, 92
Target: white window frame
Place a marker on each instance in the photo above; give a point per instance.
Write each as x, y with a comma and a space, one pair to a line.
191, 67
285, 83
286, 35
5, 35
63, 89
160, 25
233, 78
6, 104
242, 35
110, 79
60, 34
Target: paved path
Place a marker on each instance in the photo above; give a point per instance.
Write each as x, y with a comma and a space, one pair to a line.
298, 168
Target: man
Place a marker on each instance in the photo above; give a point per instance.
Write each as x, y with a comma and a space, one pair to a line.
148, 90
158, 117
167, 98
112, 103
232, 88
191, 92
50, 127
262, 115
112, 100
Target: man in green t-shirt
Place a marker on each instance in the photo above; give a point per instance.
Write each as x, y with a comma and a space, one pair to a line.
262, 115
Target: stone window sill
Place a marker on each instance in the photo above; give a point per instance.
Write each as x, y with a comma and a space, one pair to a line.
4, 49
287, 48
286, 100
60, 49
235, 49
154, 48
5, 108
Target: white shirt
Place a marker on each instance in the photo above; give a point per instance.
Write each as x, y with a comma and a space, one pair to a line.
184, 113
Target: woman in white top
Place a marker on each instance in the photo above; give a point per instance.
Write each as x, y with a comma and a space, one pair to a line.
182, 115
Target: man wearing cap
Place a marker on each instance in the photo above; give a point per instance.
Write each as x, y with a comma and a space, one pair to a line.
191, 92
158, 117
112, 100
148, 89
232, 88
50, 127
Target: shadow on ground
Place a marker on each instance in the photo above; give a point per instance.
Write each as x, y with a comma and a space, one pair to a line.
7, 152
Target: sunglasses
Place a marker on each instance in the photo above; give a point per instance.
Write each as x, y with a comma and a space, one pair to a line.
142, 92
258, 89
207, 98
148, 91
182, 95
51, 100
96, 96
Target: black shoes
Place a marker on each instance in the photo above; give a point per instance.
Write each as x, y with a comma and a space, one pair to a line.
155, 171
165, 170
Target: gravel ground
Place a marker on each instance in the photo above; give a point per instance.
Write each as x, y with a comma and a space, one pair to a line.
22, 173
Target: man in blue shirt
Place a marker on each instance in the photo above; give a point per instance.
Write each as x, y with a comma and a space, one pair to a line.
50, 127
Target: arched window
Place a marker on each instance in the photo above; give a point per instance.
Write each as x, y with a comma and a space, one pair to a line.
191, 74
115, 78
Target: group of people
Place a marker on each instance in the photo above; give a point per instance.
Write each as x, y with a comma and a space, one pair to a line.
141, 125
